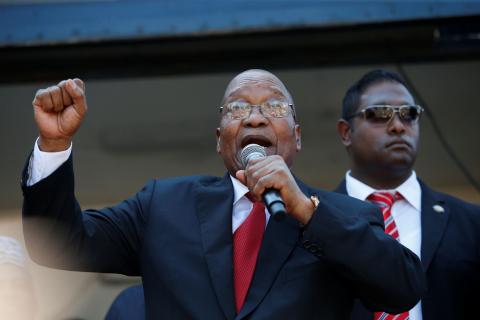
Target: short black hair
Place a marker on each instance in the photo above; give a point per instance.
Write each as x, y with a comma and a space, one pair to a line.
351, 99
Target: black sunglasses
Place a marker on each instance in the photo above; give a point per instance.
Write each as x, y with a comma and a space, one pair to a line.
384, 113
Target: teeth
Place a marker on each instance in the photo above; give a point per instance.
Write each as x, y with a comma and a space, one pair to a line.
259, 142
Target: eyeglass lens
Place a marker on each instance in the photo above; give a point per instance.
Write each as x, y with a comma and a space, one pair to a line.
272, 109
385, 113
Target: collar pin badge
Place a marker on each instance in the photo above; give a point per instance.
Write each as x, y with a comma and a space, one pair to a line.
438, 208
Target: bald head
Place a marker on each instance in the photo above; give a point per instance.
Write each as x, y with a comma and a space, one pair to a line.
256, 77
279, 133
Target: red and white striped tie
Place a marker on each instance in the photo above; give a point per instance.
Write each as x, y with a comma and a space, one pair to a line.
385, 200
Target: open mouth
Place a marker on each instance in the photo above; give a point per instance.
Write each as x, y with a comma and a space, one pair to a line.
260, 140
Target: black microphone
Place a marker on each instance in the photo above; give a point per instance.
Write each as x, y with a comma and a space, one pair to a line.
271, 197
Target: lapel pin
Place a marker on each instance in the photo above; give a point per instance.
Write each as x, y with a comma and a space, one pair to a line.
438, 208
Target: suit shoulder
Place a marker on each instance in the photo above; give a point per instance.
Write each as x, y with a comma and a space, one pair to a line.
343, 201
455, 202
175, 187
185, 181
457, 205
347, 205
336, 199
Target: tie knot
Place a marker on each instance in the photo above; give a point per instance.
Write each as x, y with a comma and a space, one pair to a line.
250, 197
384, 199
256, 204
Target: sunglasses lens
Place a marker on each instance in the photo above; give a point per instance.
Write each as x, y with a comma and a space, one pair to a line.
378, 114
383, 113
409, 113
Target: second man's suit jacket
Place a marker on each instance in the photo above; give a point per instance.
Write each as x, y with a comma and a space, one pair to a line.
177, 234
450, 254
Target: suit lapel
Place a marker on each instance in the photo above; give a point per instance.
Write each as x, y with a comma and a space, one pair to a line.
434, 219
279, 240
342, 188
214, 210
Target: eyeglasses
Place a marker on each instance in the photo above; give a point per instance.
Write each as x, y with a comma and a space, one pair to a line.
237, 110
384, 113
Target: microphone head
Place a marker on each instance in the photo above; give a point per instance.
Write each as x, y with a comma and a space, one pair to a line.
252, 151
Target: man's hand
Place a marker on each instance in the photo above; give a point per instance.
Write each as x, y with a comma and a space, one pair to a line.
273, 172
59, 111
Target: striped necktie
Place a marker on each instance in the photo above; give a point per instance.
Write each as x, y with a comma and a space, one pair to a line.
385, 200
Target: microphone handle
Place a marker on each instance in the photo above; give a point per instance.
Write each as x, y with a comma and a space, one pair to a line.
274, 204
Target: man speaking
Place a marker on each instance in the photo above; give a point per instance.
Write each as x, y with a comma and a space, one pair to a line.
205, 246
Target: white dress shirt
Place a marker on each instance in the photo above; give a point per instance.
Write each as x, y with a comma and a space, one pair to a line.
406, 214
42, 164
241, 205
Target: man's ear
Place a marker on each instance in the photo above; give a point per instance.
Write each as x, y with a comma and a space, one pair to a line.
298, 137
344, 130
217, 132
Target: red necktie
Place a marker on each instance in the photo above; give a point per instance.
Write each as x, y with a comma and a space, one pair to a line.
385, 200
247, 240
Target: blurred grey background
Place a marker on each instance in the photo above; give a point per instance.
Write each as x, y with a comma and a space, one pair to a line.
141, 128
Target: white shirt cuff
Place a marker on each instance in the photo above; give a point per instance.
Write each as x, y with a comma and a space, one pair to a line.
42, 164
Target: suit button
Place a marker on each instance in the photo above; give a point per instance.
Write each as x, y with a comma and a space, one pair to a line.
317, 251
307, 244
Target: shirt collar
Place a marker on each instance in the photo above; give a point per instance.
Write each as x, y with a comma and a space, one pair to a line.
239, 189
410, 189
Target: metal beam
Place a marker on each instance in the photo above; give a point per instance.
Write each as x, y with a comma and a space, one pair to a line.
451, 39
93, 21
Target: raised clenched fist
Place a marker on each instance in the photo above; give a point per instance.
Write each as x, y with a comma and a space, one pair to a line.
59, 111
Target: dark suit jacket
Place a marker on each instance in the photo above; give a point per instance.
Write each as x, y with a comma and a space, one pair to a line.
128, 305
177, 234
450, 254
